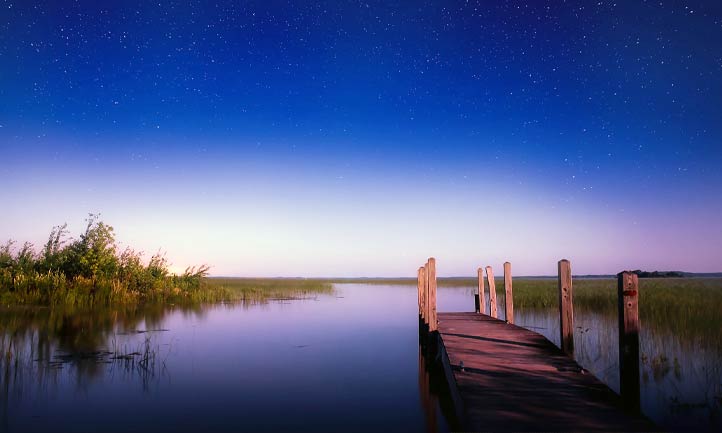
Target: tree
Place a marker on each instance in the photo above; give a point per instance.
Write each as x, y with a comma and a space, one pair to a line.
94, 254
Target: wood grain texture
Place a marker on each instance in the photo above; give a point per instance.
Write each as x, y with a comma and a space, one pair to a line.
508, 295
433, 322
420, 287
566, 307
426, 293
492, 292
628, 302
514, 379
480, 292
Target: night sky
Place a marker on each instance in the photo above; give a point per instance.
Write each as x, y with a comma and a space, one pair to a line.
357, 138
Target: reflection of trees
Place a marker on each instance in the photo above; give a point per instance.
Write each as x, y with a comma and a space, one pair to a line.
41, 345
74, 331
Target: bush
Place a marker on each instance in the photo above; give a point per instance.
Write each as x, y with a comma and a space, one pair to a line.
89, 270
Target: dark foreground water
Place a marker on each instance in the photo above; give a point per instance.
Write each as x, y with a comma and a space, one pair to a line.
348, 361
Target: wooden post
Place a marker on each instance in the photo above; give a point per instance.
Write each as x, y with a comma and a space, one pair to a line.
492, 291
566, 308
508, 298
426, 293
628, 302
480, 301
420, 287
432, 295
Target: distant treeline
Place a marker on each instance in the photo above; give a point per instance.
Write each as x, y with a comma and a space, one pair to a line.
660, 274
91, 270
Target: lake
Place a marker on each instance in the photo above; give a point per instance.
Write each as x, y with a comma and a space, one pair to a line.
346, 361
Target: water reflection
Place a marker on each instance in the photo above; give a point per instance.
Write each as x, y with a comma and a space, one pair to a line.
339, 362
349, 361
45, 350
436, 400
429, 400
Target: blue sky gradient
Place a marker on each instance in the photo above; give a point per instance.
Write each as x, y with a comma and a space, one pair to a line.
358, 138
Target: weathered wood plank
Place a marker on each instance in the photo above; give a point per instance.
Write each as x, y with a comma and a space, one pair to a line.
628, 301
566, 307
481, 302
433, 322
426, 292
508, 296
492, 291
514, 379
420, 287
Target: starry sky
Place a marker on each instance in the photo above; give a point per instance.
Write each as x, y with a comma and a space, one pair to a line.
347, 138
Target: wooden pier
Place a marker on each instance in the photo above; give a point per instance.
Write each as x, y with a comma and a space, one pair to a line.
503, 377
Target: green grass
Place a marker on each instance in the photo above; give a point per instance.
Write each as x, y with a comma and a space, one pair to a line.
689, 307
90, 271
264, 289
55, 291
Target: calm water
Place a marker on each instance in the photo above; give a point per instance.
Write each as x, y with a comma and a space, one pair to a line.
348, 361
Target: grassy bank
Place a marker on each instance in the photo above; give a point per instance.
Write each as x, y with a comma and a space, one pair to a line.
91, 270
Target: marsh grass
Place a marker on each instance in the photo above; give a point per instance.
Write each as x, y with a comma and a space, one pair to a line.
688, 307
691, 307
91, 271
258, 290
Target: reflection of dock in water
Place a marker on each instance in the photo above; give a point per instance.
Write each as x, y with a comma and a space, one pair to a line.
428, 400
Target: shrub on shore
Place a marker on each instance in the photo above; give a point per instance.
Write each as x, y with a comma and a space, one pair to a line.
90, 270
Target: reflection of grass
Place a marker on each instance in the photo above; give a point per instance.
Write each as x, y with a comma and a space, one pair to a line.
264, 289
86, 330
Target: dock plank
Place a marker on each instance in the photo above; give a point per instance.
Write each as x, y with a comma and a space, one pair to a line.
514, 379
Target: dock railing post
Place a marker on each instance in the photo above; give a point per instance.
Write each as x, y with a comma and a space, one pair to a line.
426, 292
432, 295
628, 302
566, 308
508, 296
479, 297
420, 287
492, 291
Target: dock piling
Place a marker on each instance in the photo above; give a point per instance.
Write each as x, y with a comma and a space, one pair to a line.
566, 308
479, 297
431, 277
492, 292
508, 296
426, 293
420, 287
628, 302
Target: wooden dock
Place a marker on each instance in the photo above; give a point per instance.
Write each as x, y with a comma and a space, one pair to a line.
503, 377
